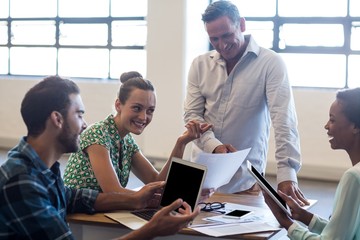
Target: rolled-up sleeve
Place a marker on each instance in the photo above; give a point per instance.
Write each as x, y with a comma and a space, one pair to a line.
81, 200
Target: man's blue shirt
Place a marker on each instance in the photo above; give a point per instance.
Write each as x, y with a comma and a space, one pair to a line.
33, 199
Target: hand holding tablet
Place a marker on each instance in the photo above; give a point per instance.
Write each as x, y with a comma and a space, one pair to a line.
265, 185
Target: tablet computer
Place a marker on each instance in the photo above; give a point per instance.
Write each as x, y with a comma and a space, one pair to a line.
264, 184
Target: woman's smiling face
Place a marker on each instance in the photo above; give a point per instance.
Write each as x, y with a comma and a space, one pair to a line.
339, 129
137, 112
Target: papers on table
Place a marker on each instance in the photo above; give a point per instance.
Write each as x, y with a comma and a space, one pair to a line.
257, 214
235, 228
312, 203
219, 226
221, 167
259, 221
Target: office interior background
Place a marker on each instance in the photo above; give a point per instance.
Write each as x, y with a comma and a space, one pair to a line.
94, 41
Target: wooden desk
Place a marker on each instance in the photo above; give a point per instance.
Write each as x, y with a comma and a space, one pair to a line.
98, 226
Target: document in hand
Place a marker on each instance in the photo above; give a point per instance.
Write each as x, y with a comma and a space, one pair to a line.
221, 167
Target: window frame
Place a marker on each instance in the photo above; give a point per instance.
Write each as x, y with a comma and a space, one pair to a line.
278, 21
69, 20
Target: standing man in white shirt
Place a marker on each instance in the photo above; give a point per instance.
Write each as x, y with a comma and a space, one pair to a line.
242, 88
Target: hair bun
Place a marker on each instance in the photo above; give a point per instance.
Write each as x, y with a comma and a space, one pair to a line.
129, 75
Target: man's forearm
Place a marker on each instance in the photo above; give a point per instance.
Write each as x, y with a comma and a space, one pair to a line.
115, 201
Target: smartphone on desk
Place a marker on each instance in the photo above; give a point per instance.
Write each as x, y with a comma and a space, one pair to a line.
236, 214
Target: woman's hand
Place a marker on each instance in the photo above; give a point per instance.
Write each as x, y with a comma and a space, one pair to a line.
297, 212
194, 129
280, 215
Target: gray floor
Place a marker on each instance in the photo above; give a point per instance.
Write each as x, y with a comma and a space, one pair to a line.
323, 191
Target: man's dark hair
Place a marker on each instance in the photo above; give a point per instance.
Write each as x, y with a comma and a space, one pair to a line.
50, 94
221, 8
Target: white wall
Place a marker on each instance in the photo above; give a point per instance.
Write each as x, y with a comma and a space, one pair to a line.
319, 160
175, 37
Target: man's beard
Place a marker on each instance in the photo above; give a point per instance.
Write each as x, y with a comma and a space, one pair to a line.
68, 141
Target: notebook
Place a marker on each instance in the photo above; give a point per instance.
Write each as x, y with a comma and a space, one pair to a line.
184, 180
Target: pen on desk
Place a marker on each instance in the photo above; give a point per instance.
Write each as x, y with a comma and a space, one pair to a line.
231, 217
207, 224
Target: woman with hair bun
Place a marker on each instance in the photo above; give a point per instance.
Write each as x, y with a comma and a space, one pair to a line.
108, 152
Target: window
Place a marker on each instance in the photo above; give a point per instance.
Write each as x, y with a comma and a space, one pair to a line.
319, 40
82, 38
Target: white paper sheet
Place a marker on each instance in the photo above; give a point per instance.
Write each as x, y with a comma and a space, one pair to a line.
221, 167
238, 228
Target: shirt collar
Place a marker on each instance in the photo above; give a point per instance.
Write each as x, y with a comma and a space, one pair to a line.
32, 156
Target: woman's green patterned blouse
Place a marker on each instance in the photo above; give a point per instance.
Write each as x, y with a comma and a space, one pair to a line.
78, 171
